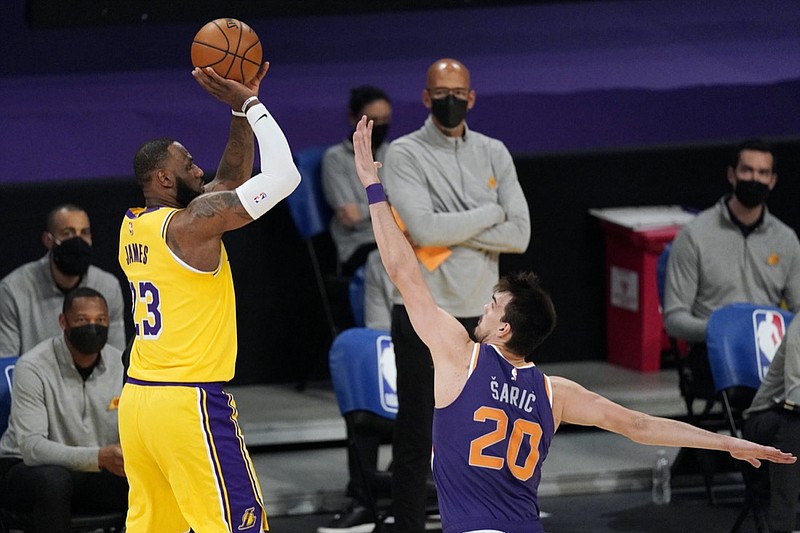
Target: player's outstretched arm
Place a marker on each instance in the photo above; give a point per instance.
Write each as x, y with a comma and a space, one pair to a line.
211, 214
442, 333
574, 404
194, 233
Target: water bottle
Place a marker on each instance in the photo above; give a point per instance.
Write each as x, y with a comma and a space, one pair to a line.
662, 493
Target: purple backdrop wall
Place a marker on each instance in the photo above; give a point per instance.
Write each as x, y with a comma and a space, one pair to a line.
573, 85
550, 78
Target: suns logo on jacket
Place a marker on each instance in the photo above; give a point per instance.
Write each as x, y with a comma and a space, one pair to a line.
113, 405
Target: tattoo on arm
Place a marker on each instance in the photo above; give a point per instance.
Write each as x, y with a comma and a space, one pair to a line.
232, 163
216, 204
173, 245
237, 159
211, 215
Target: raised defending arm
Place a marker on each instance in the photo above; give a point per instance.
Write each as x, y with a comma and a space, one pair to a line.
444, 335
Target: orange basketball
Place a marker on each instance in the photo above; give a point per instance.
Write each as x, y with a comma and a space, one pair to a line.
230, 47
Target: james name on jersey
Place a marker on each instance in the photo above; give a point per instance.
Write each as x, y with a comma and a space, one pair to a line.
136, 253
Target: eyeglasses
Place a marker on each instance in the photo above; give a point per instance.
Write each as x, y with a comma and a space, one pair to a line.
68, 233
443, 92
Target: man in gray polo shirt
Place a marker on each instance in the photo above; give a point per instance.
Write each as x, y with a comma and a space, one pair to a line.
31, 296
735, 251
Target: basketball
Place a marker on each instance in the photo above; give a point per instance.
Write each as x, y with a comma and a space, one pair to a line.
230, 47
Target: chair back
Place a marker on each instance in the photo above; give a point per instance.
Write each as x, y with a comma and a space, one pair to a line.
661, 272
7, 365
742, 339
356, 294
310, 212
363, 372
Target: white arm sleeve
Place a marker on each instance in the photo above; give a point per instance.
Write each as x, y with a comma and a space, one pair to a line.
278, 176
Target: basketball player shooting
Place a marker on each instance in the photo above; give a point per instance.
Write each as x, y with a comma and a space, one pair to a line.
496, 413
185, 456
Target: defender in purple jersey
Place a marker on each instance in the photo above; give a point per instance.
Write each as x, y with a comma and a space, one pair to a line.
492, 441
495, 411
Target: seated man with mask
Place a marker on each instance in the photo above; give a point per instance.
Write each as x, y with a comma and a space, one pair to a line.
31, 296
61, 452
735, 251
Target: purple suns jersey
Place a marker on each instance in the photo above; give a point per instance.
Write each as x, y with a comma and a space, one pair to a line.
489, 446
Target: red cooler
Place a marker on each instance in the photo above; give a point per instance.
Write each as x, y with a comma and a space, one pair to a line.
635, 236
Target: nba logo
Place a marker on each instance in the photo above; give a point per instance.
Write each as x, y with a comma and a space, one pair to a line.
387, 372
768, 330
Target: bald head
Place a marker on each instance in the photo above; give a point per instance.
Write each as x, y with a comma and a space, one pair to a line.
447, 67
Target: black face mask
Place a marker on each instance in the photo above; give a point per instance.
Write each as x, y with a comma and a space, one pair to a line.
449, 111
751, 193
379, 132
185, 194
88, 339
72, 256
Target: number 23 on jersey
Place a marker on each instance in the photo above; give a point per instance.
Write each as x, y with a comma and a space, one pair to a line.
146, 309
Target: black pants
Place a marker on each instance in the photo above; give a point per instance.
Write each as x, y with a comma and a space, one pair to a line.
780, 428
411, 450
50, 494
357, 258
367, 448
697, 373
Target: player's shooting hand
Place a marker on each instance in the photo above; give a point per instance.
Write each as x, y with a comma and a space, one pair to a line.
366, 166
255, 83
228, 91
110, 458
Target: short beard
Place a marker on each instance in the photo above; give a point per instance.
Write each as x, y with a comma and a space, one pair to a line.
185, 194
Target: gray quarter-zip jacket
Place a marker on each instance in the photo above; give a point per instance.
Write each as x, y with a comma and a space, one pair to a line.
56, 417
462, 193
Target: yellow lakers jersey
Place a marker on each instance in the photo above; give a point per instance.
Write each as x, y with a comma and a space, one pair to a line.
184, 319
